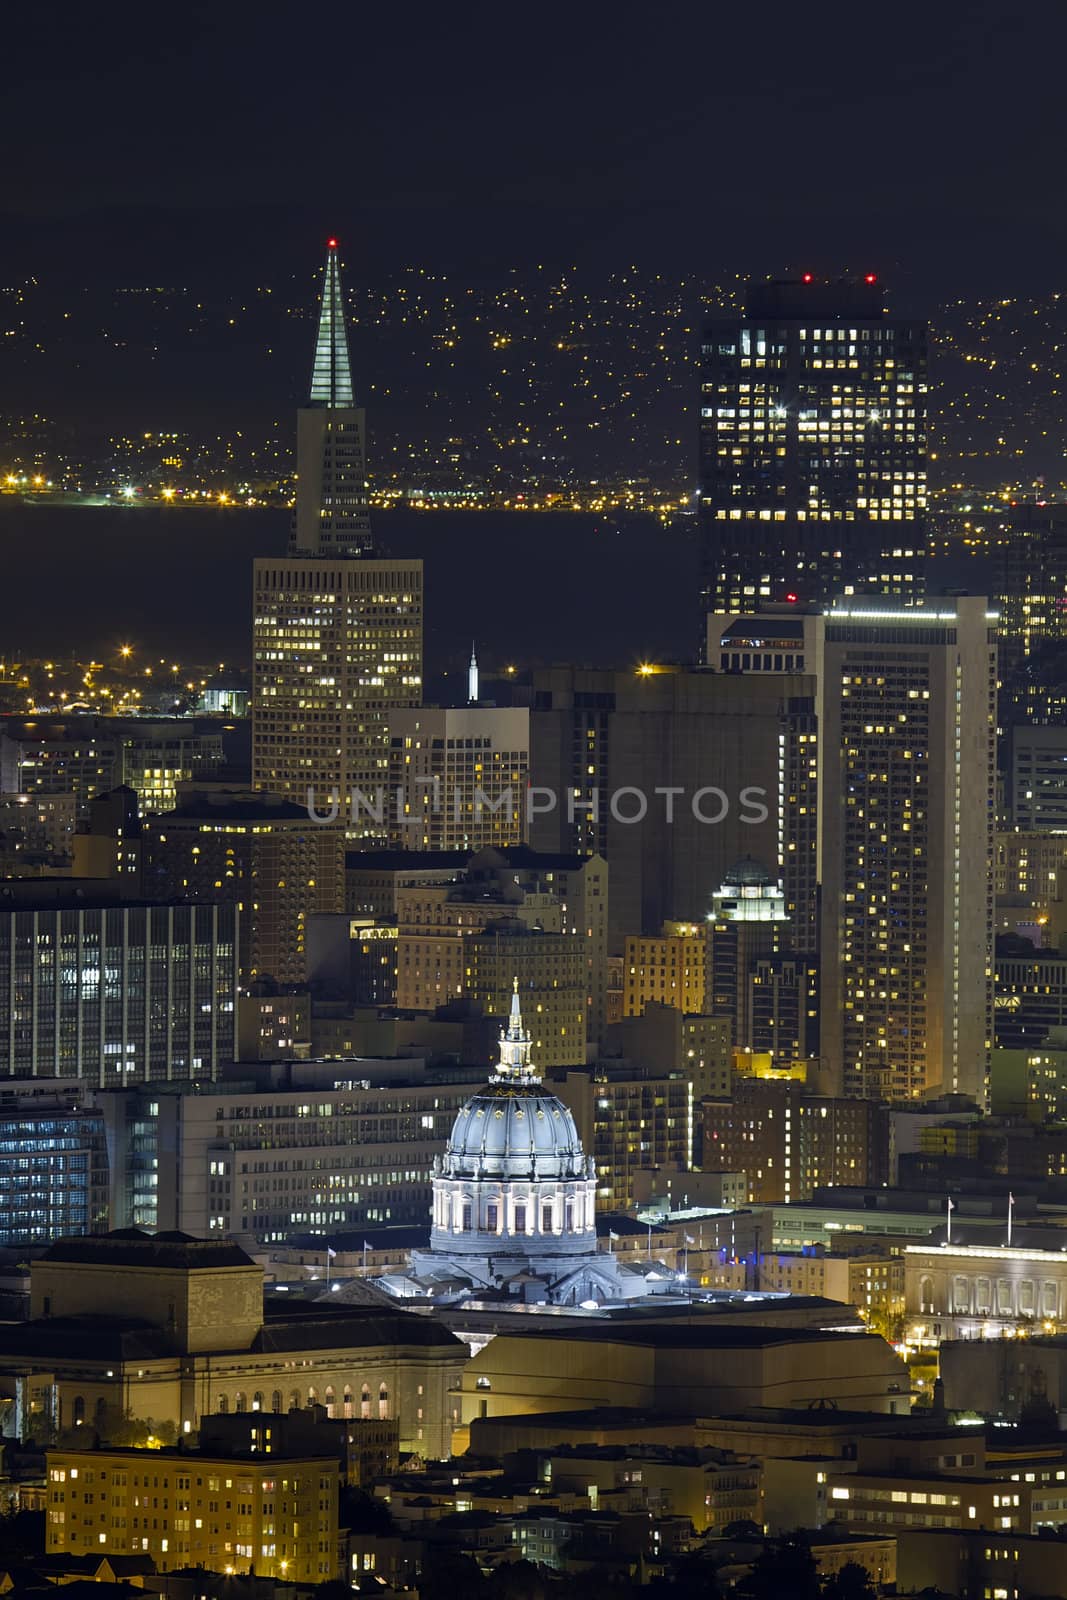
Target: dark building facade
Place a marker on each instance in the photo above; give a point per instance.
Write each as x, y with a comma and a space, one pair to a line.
738, 752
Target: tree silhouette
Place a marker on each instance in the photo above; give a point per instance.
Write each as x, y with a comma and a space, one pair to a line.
785, 1567
853, 1582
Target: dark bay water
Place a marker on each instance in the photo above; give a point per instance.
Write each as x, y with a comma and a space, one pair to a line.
528, 587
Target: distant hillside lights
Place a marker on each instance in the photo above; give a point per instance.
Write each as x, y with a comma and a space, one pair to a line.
709, 804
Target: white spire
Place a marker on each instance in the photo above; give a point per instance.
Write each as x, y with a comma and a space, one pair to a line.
514, 1065
472, 678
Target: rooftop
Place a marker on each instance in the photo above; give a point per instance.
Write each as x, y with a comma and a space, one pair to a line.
694, 1334
133, 1247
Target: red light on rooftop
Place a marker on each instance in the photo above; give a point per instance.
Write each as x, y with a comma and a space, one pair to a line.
871, 277
807, 278
792, 598
331, 244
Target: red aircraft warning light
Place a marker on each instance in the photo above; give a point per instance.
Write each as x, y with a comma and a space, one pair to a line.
871, 277
331, 244
808, 278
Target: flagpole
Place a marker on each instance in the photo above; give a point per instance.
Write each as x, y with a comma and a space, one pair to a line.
948, 1229
1011, 1204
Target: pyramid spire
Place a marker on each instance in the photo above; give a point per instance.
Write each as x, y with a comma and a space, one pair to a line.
331, 377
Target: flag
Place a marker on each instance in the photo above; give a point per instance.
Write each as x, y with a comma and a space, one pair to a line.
330, 1253
689, 1239
951, 1207
613, 1236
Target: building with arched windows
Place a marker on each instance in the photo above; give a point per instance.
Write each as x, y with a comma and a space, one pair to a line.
172, 1329
966, 1291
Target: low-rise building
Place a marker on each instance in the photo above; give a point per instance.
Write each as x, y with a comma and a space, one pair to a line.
873, 1282
264, 1510
284, 1148
710, 1487
700, 1367
977, 1561
969, 1291
170, 1329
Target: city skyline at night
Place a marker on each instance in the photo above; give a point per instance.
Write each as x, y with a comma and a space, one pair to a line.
533, 803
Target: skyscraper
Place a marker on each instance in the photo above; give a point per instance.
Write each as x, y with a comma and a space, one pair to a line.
331, 515
901, 755
337, 632
754, 979
1028, 555
908, 789
812, 446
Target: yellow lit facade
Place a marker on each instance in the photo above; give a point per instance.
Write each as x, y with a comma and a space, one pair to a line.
185, 1510
337, 646
669, 969
909, 702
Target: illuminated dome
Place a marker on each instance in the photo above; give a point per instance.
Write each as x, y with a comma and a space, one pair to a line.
514, 1179
514, 1200
508, 1132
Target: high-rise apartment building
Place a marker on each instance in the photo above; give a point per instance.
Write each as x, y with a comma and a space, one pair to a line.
457, 778
755, 979
114, 991
908, 794
258, 851
789, 1142
337, 632
812, 446
894, 783
630, 1118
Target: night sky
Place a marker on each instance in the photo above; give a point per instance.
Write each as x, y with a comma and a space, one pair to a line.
923, 138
